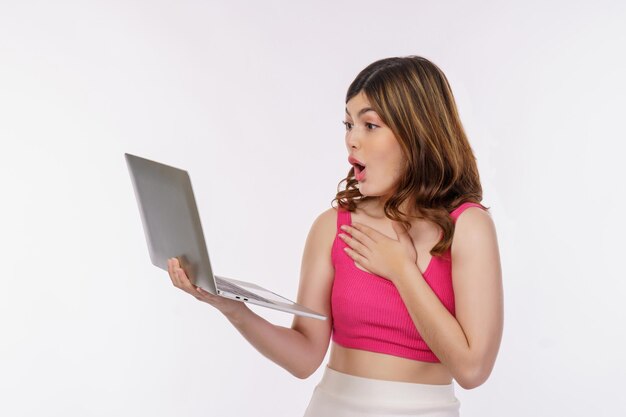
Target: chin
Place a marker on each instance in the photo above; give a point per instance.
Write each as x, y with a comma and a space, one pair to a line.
366, 191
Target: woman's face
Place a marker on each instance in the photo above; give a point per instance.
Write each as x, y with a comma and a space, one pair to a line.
372, 144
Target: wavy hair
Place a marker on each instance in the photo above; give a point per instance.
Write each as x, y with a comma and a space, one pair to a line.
413, 98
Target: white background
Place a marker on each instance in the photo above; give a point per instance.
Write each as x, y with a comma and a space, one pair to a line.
248, 97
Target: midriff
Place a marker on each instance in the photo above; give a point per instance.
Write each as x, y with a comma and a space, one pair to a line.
386, 367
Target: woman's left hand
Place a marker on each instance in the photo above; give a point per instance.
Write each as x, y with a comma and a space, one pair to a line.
378, 253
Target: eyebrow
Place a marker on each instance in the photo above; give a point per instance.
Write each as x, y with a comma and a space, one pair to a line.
363, 110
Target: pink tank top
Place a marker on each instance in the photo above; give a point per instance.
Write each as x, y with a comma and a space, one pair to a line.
368, 312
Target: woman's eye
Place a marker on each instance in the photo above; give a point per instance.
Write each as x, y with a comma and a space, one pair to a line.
369, 126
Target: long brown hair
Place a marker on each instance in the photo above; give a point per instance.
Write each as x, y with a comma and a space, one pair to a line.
413, 98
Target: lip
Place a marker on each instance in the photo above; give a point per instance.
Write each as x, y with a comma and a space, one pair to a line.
353, 161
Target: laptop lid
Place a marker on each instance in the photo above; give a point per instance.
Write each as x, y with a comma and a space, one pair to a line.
171, 222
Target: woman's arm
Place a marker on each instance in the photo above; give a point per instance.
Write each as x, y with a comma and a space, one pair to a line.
301, 348
468, 344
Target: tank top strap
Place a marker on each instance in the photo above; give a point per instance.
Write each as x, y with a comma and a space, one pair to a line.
343, 217
460, 209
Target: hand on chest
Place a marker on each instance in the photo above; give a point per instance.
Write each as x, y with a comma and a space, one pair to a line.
423, 237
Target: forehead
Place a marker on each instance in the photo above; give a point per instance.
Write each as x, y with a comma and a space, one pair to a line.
359, 105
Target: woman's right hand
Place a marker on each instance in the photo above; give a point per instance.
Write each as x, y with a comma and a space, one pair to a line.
180, 280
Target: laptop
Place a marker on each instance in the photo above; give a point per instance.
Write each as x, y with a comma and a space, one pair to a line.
171, 224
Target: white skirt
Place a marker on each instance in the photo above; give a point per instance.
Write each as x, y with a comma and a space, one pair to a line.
343, 395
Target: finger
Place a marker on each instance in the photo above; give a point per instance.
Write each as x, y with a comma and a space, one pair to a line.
358, 258
185, 282
180, 280
170, 271
180, 275
364, 233
354, 244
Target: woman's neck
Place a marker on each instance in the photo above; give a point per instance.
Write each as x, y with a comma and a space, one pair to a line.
374, 208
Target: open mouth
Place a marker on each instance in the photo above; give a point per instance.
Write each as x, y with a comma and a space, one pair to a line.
359, 172
359, 168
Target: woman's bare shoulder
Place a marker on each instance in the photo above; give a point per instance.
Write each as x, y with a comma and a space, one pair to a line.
329, 213
326, 222
323, 232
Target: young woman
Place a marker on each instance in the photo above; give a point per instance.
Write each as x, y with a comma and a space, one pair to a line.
406, 267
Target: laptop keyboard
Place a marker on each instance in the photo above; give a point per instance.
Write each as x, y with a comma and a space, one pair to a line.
234, 289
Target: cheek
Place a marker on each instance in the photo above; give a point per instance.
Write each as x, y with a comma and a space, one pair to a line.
393, 161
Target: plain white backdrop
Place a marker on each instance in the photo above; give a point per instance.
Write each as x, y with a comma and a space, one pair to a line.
249, 97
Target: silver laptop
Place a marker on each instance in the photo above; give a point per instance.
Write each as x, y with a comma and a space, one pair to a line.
172, 227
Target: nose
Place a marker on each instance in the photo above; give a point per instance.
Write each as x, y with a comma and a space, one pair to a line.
352, 139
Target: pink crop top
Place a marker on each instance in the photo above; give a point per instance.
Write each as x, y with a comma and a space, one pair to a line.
368, 312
